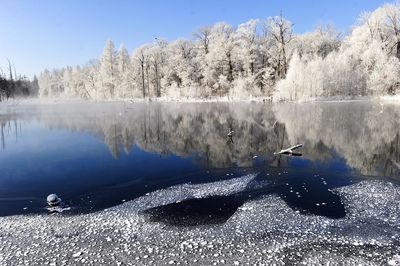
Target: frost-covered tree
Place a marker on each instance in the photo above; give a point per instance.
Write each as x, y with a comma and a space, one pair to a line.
141, 60
90, 73
246, 36
220, 60
321, 42
258, 58
203, 36
279, 32
108, 71
183, 70
157, 62
124, 67
376, 43
51, 83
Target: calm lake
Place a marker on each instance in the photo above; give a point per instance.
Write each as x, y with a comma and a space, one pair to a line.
98, 155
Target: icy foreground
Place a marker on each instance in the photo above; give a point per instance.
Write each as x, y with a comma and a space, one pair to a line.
260, 232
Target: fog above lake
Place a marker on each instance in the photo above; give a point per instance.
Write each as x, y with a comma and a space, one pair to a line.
365, 135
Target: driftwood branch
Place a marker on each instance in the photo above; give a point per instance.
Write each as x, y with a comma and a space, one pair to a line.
289, 151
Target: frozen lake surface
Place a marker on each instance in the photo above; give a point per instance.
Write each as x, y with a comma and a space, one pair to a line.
159, 183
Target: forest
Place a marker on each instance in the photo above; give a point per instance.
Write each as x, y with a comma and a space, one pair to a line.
16, 85
257, 59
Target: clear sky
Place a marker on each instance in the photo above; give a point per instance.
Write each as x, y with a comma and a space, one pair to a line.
39, 34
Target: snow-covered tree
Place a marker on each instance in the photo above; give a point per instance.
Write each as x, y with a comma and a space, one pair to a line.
141, 60
322, 41
108, 71
279, 32
258, 58
124, 66
220, 60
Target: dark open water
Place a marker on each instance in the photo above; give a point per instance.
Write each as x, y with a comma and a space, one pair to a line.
98, 155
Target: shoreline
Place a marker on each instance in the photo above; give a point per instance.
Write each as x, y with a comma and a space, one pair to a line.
395, 99
121, 235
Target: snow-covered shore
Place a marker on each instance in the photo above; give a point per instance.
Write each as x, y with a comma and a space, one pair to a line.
334, 99
133, 100
391, 99
261, 232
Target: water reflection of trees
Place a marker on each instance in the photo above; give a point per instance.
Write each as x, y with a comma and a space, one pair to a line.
9, 128
366, 136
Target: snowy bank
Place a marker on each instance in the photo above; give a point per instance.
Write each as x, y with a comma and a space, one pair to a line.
47, 101
329, 99
261, 232
391, 98
224, 99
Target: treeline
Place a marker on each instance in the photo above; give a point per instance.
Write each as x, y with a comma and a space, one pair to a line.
256, 59
14, 85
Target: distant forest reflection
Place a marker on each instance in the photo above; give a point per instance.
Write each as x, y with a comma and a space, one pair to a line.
365, 135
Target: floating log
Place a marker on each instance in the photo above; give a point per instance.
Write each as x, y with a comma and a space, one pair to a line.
289, 151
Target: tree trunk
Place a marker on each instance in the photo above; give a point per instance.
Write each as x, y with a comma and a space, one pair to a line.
148, 80
157, 81
230, 70
143, 88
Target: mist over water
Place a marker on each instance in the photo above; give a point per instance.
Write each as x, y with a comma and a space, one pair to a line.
97, 155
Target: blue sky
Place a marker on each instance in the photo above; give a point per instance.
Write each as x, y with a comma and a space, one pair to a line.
40, 34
